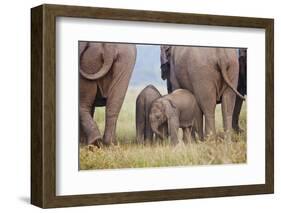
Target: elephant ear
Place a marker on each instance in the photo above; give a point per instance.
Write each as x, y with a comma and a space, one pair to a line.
172, 114
108, 55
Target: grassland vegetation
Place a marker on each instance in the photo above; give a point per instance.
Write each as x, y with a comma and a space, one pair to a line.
128, 154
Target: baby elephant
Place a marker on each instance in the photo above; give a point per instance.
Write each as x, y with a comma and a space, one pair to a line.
143, 104
178, 109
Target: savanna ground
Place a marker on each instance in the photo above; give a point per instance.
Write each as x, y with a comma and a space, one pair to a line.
128, 154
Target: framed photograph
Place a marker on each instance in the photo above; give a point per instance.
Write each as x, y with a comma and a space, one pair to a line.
136, 106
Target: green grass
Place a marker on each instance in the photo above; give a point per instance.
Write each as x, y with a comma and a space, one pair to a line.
128, 154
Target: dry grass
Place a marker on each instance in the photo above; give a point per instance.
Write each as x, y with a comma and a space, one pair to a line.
128, 154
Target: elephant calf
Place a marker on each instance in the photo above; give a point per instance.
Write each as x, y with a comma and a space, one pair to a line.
143, 104
178, 109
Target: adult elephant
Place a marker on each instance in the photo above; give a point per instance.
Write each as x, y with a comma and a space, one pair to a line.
104, 73
211, 74
241, 88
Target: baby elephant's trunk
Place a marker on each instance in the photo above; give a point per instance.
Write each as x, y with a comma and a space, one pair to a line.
154, 128
173, 127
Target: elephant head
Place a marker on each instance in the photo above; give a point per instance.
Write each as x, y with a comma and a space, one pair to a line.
108, 56
165, 111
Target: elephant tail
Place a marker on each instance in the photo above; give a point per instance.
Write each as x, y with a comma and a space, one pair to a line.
223, 70
108, 58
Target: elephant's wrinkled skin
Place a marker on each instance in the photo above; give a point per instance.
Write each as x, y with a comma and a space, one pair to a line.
211, 74
143, 105
242, 88
105, 70
177, 110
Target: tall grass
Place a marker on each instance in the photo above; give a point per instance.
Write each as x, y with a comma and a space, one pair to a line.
128, 154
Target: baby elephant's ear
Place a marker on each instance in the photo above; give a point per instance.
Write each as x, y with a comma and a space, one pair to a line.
172, 104
169, 108
172, 115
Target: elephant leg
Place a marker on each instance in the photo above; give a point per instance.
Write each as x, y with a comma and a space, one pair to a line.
193, 134
163, 130
228, 102
116, 94
198, 125
157, 139
210, 126
87, 124
139, 124
148, 131
148, 134
140, 131
186, 135
205, 94
236, 114
82, 135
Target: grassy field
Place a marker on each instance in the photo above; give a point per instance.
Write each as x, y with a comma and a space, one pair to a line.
128, 154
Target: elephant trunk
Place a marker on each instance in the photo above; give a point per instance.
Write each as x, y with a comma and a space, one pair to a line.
227, 81
155, 129
108, 57
173, 126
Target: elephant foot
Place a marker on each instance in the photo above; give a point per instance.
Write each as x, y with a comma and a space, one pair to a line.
109, 140
83, 140
96, 142
107, 143
227, 137
238, 130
